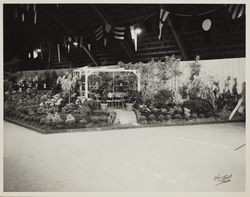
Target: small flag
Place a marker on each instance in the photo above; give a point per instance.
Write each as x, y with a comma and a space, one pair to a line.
35, 54
163, 16
236, 10
119, 33
107, 27
99, 33
58, 53
68, 48
105, 42
133, 35
23, 17
35, 14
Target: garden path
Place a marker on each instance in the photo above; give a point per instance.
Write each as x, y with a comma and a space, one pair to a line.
125, 117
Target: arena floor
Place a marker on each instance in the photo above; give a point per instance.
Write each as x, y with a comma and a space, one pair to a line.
162, 159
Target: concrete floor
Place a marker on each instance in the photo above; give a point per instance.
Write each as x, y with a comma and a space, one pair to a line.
181, 158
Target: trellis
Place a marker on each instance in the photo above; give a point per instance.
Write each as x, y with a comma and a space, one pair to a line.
87, 71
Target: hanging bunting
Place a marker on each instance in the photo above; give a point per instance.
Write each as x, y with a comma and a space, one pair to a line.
163, 16
58, 53
134, 35
35, 14
235, 10
99, 33
119, 33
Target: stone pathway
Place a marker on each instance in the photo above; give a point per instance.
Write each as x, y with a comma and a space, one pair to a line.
125, 117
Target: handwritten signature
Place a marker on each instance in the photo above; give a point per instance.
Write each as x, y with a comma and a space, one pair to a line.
222, 179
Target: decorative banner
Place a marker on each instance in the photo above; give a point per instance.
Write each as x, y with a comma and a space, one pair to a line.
35, 14
58, 53
99, 33
163, 16
134, 35
235, 10
119, 33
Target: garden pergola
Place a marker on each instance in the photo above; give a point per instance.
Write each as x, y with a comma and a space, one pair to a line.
87, 71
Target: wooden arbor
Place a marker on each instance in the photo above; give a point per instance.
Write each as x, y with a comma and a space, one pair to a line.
87, 71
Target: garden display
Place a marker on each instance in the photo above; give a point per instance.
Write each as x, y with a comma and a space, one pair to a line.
54, 102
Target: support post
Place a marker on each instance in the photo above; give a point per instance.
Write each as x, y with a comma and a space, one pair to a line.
80, 88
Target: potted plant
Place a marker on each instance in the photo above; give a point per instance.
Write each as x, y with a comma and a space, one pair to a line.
131, 101
104, 103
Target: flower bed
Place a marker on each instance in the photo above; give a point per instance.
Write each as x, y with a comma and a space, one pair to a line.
46, 111
178, 115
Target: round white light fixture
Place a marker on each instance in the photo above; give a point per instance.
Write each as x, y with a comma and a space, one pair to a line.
138, 31
206, 24
75, 44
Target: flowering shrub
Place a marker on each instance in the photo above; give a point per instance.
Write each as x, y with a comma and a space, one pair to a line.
161, 117
151, 117
163, 97
198, 105
70, 119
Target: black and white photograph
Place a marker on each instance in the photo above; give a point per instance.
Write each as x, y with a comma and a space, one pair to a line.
124, 97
